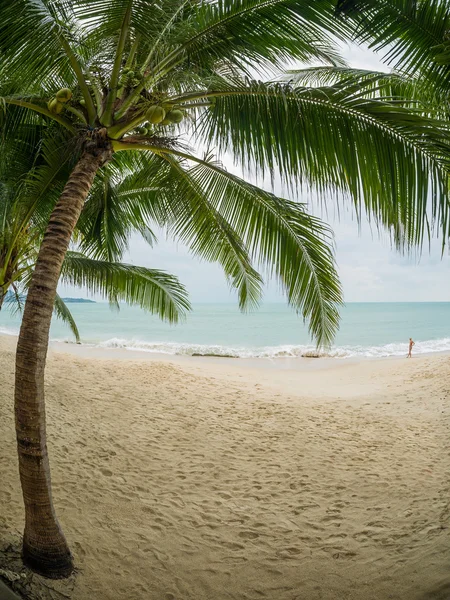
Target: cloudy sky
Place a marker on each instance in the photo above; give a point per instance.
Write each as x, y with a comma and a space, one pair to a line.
369, 269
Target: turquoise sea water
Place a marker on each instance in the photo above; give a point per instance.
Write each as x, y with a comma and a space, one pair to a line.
367, 329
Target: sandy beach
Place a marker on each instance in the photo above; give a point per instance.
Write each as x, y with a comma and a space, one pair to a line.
212, 480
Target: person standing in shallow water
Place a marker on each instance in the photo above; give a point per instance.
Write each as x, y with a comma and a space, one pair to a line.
411, 344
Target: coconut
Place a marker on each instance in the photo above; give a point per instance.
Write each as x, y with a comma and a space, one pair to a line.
55, 107
176, 116
166, 121
83, 102
64, 95
130, 74
155, 114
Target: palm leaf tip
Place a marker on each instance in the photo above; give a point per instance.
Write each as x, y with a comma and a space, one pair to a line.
313, 288
63, 313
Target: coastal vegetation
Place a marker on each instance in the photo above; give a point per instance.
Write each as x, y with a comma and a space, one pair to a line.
149, 90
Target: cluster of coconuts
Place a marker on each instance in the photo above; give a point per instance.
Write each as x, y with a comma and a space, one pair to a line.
128, 77
56, 104
145, 129
158, 115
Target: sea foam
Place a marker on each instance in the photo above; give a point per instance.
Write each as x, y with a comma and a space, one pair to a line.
8, 331
272, 352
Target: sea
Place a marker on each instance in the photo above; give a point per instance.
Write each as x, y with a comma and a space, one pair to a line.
371, 330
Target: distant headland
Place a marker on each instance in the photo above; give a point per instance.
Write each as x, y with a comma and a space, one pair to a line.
10, 297
78, 301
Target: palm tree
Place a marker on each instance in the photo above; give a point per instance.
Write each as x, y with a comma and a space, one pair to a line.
29, 183
131, 83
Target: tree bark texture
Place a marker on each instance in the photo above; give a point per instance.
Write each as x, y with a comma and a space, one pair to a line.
45, 549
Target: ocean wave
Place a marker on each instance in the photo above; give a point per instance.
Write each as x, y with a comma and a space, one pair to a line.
8, 331
283, 351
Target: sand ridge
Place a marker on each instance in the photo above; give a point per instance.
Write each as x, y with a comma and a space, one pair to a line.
183, 482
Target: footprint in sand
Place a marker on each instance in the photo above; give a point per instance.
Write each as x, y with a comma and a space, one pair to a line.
287, 553
225, 496
232, 546
80, 550
293, 550
248, 535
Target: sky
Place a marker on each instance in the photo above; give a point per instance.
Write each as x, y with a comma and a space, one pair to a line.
370, 270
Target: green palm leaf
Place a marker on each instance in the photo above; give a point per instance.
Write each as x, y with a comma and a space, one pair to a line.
153, 290
63, 313
124, 198
202, 31
40, 34
197, 223
280, 236
412, 34
391, 159
394, 86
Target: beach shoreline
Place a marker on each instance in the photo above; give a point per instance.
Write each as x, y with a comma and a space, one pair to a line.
280, 362
272, 332
188, 478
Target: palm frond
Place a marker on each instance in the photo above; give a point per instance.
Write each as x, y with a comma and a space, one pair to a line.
199, 225
62, 312
411, 34
38, 189
386, 157
155, 291
32, 45
14, 301
281, 237
221, 30
410, 92
124, 198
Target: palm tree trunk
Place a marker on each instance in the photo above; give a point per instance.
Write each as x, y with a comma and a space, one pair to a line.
2, 297
45, 549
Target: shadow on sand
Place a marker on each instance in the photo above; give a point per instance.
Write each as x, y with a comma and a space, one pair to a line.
6, 593
441, 592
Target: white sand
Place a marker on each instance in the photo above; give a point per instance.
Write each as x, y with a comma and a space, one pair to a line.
207, 480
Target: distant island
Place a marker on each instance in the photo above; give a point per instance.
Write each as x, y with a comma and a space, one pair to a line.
10, 297
78, 301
